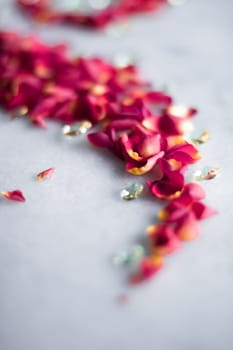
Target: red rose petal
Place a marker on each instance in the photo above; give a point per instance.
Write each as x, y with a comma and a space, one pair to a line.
45, 173
15, 195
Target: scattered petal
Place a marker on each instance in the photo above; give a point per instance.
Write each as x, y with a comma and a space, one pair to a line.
15, 195
149, 266
123, 299
45, 174
163, 239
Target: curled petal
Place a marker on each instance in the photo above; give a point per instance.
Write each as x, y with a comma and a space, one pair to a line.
176, 120
185, 154
15, 195
150, 146
151, 123
168, 187
136, 168
169, 126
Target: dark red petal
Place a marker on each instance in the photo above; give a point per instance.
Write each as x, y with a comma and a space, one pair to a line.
168, 186
158, 97
201, 211
100, 139
15, 195
148, 267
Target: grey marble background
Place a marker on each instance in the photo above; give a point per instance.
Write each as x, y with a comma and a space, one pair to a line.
58, 287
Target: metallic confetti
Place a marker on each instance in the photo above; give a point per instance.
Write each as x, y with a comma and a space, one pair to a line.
132, 191
203, 138
19, 112
135, 254
208, 173
122, 60
77, 128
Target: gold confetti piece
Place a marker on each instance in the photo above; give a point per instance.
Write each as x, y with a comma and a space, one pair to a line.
203, 138
208, 173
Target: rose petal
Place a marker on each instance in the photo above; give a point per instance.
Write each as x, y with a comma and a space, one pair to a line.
143, 168
100, 139
201, 211
15, 195
45, 173
163, 239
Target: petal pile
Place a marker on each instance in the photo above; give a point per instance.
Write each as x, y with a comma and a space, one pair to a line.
138, 124
42, 11
42, 82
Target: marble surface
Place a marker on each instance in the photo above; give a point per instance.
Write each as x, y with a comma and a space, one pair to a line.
58, 287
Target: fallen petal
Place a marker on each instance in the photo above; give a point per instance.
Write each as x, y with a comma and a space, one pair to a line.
45, 173
15, 195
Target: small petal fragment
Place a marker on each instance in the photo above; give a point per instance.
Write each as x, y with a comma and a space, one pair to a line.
45, 174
